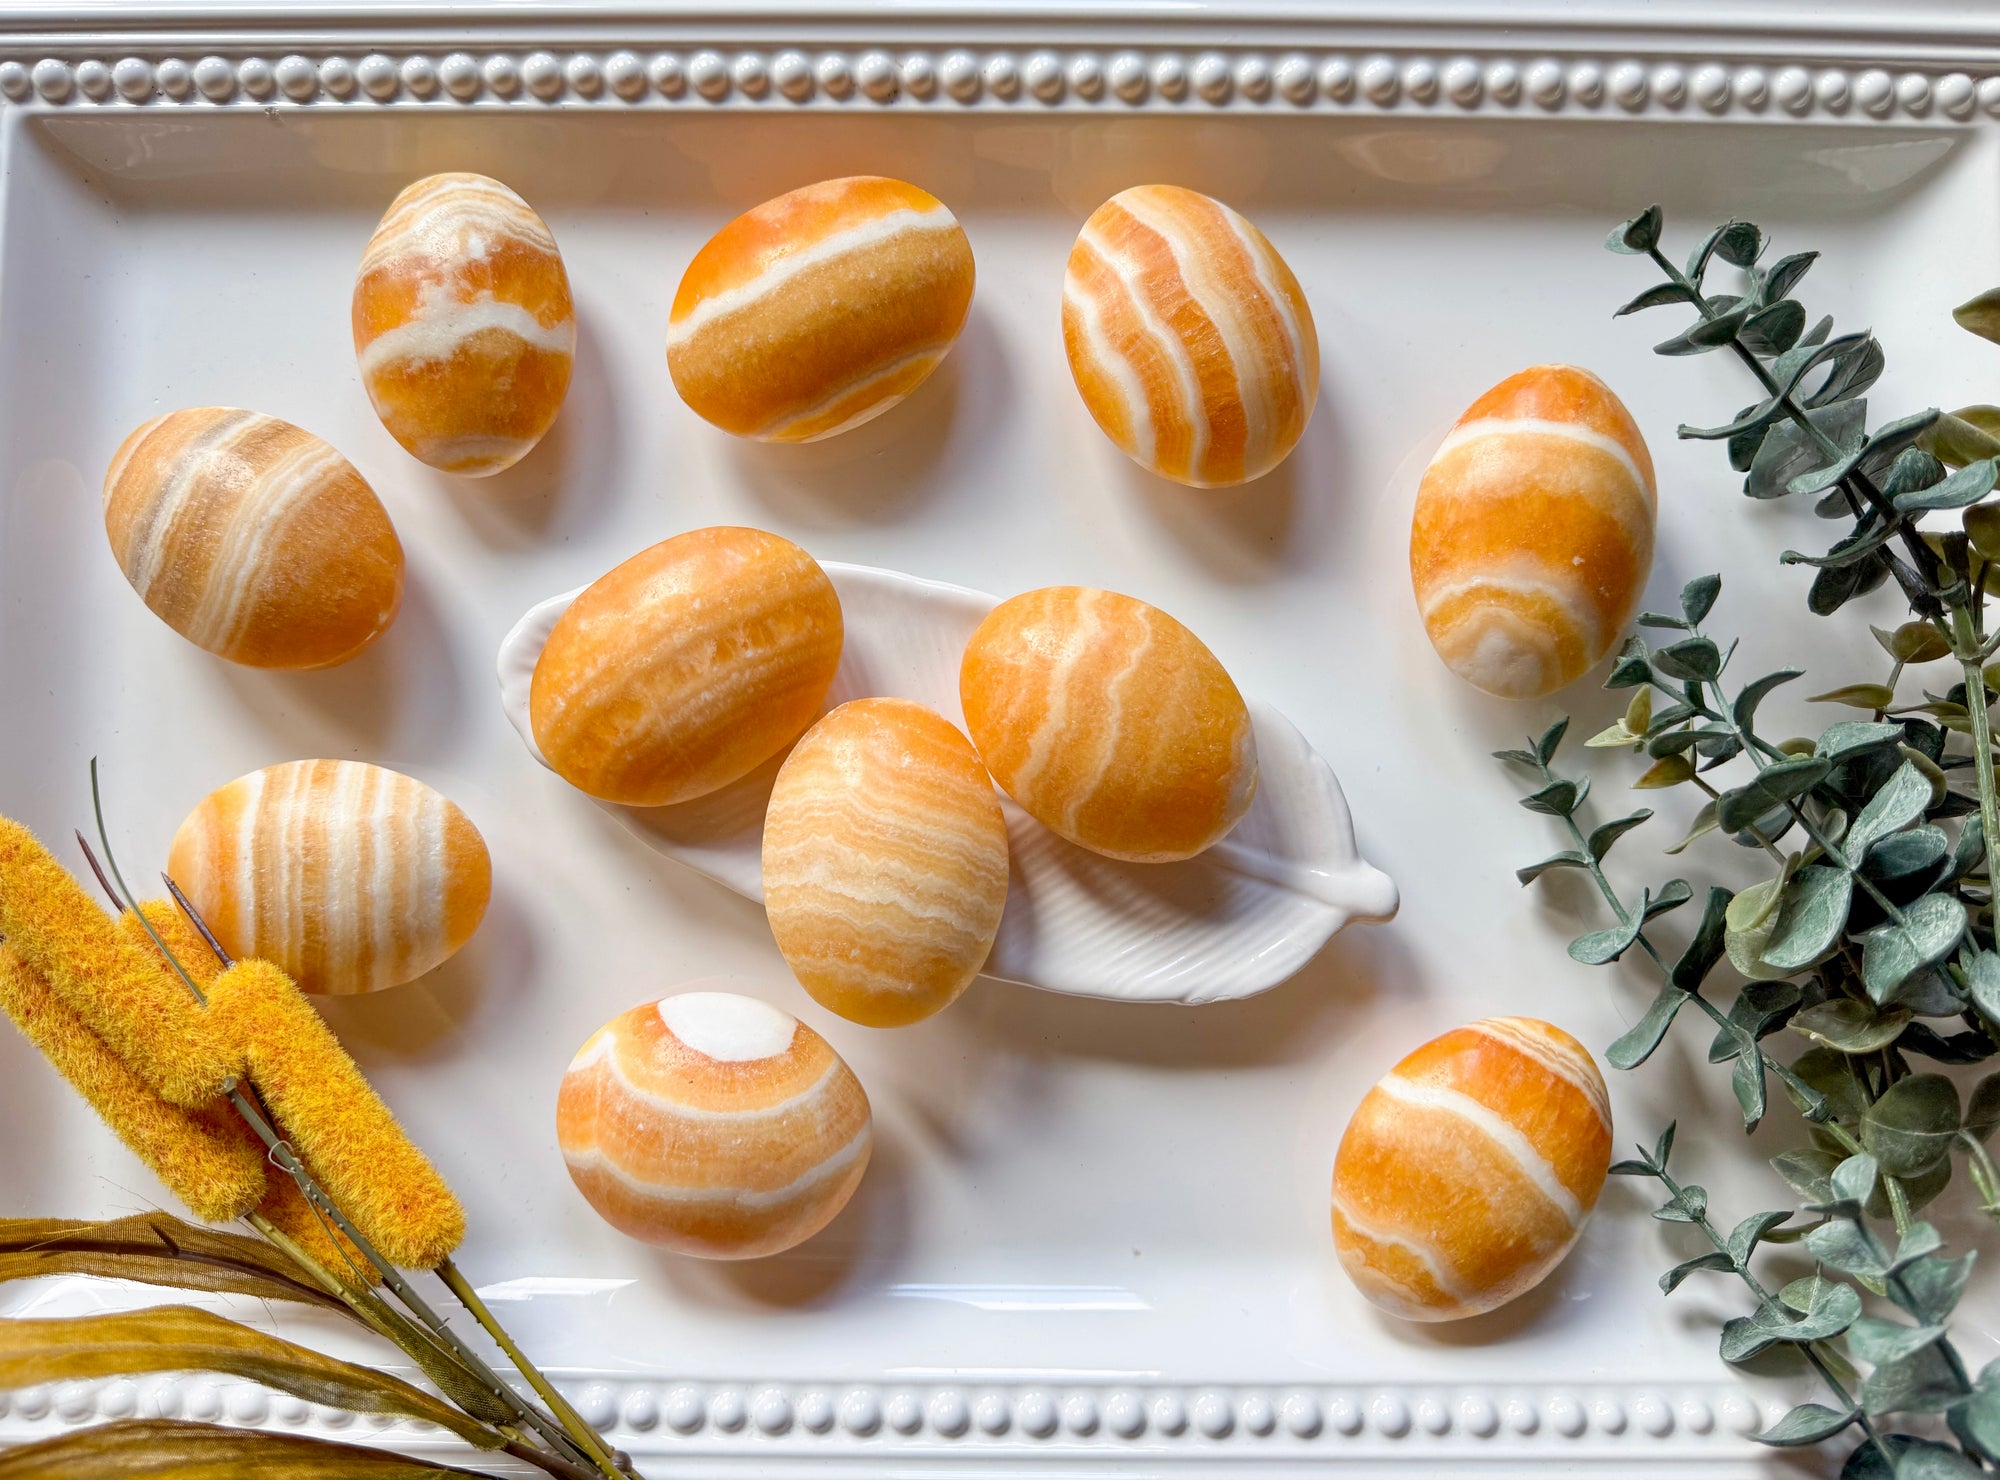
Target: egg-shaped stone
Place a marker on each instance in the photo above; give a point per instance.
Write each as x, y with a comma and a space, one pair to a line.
463, 324
713, 1124
1469, 1169
885, 862
819, 310
1109, 722
349, 876
252, 538
1188, 336
1533, 533
687, 667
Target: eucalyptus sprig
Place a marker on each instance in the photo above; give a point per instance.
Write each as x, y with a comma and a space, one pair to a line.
1872, 938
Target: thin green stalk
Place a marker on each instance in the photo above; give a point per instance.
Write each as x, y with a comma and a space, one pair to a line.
1965, 644
581, 1432
1770, 1305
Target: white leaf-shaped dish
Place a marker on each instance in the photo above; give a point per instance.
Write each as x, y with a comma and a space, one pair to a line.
1229, 923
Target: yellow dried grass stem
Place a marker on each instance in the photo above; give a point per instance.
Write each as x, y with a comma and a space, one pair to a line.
207, 1157
122, 996
287, 1210
332, 1115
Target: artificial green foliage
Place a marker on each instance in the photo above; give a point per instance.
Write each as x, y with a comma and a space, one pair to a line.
1867, 957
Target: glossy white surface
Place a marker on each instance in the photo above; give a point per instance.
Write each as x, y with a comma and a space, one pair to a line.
1235, 921
1093, 1230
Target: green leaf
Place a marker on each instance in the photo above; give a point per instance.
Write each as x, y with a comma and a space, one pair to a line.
178, 1449
1703, 824
1738, 243
1600, 947
1686, 1206
1706, 334
1905, 854
1956, 438
1558, 799
1983, 977
1713, 1260
1915, 641
1664, 1146
1551, 739
1834, 1309
1754, 692
1931, 927
1673, 894
1807, 1172
1746, 1081
1921, 1241
1567, 859
1668, 770
1852, 737
1751, 920
1981, 523
1809, 1423
1854, 370
1855, 1178
1980, 315
1876, 1341
1911, 1128
1851, 1027
1604, 836
1901, 801
1787, 452
1978, 1422
1636, 1044
1846, 1247
1785, 274
178, 1338
1694, 659
1745, 1236
1776, 784
1858, 696
1632, 667
1920, 1383
1982, 1108
1968, 485
1640, 234
1706, 948
1517, 757
1810, 918
1775, 329
1698, 597
1657, 296
1930, 1289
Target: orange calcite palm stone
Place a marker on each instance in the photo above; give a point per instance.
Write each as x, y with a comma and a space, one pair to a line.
252, 538
687, 667
1189, 338
1109, 722
463, 324
885, 862
819, 310
1468, 1171
714, 1125
1533, 533
349, 876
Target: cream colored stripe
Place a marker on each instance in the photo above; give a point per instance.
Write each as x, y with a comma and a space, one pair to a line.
781, 270
1226, 310
444, 322
187, 477
1118, 370
672, 1107
1440, 1276
784, 421
1526, 576
736, 1197
240, 570
1508, 426
1260, 254
1558, 1060
1531, 1162
1055, 689
1172, 350
245, 843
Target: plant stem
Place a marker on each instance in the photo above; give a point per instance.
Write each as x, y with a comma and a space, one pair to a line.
1965, 645
1770, 1305
581, 1432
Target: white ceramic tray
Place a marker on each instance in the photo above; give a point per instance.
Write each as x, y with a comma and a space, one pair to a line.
1095, 1233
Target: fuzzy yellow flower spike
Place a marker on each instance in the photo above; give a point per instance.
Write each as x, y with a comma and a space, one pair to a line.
256, 1027
208, 1158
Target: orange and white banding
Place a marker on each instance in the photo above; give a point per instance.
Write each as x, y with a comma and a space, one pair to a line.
252, 538
463, 324
819, 310
1468, 1171
1533, 533
351, 877
713, 1124
687, 667
1109, 722
885, 862
1189, 338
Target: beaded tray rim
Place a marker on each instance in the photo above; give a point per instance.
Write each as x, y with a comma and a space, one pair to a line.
1543, 60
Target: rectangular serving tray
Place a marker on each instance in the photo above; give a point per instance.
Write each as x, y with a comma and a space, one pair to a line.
1095, 1235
